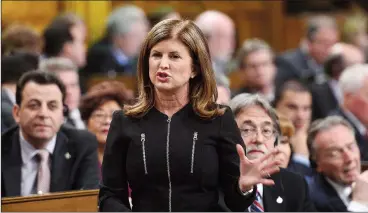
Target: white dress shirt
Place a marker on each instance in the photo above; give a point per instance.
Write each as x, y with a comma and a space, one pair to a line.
30, 165
76, 117
260, 190
344, 193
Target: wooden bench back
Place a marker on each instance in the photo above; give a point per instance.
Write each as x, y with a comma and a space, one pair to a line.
71, 201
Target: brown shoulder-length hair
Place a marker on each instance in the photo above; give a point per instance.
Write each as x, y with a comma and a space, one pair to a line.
202, 88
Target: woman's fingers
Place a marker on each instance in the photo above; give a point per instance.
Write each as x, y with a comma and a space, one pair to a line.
267, 182
271, 170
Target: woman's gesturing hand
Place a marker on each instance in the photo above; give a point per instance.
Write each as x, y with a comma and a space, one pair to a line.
256, 171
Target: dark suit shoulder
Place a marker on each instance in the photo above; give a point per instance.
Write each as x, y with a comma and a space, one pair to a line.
290, 55
291, 176
7, 136
79, 138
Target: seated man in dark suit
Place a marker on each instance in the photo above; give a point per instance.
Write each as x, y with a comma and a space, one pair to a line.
260, 130
354, 108
38, 155
13, 67
334, 150
327, 96
117, 51
306, 62
294, 100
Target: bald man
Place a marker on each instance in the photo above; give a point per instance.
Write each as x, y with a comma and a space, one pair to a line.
328, 96
219, 29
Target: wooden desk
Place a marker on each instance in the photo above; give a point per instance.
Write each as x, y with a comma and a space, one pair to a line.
71, 201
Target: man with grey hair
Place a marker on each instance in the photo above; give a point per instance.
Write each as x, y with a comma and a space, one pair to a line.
354, 108
116, 52
219, 30
255, 62
306, 62
260, 130
67, 71
335, 153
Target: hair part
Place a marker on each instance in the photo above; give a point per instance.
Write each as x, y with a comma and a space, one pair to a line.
202, 88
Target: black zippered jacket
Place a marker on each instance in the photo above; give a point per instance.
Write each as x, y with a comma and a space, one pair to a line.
171, 164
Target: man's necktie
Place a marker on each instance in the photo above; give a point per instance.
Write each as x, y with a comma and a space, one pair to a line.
256, 205
43, 178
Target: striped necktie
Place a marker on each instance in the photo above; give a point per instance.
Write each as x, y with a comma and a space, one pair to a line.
256, 205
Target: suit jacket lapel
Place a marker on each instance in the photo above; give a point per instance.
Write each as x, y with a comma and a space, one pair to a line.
11, 166
334, 201
272, 194
62, 159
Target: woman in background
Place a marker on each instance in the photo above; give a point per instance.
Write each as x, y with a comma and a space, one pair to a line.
97, 107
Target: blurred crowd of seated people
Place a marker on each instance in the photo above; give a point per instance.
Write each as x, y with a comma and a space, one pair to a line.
54, 124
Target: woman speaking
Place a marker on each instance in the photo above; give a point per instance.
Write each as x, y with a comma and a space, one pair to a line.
175, 147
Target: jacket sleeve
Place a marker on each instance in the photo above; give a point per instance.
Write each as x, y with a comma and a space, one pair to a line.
113, 194
229, 164
87, 176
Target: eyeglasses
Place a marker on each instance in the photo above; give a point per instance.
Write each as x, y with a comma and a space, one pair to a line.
251, 132
101, 116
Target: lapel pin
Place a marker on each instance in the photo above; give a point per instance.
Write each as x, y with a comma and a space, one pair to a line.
279, 200
67, 156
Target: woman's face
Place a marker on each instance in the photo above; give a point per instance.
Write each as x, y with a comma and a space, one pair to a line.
99, 122
170, 66
285, 151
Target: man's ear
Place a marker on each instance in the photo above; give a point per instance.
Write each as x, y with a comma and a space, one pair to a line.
16, 115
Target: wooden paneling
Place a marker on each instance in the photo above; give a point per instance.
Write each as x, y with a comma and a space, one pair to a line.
263, 19
33, 13
73, 201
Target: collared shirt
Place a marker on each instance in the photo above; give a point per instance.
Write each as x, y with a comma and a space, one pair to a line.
10, 94
260, 191
336, 90
301, 159
361, 128
344, 193
30, 164
76, 117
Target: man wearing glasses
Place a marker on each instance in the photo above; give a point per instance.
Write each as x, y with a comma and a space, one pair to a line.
260, 130
339, 185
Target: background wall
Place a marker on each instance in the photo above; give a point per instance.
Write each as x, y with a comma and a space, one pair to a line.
264, 19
